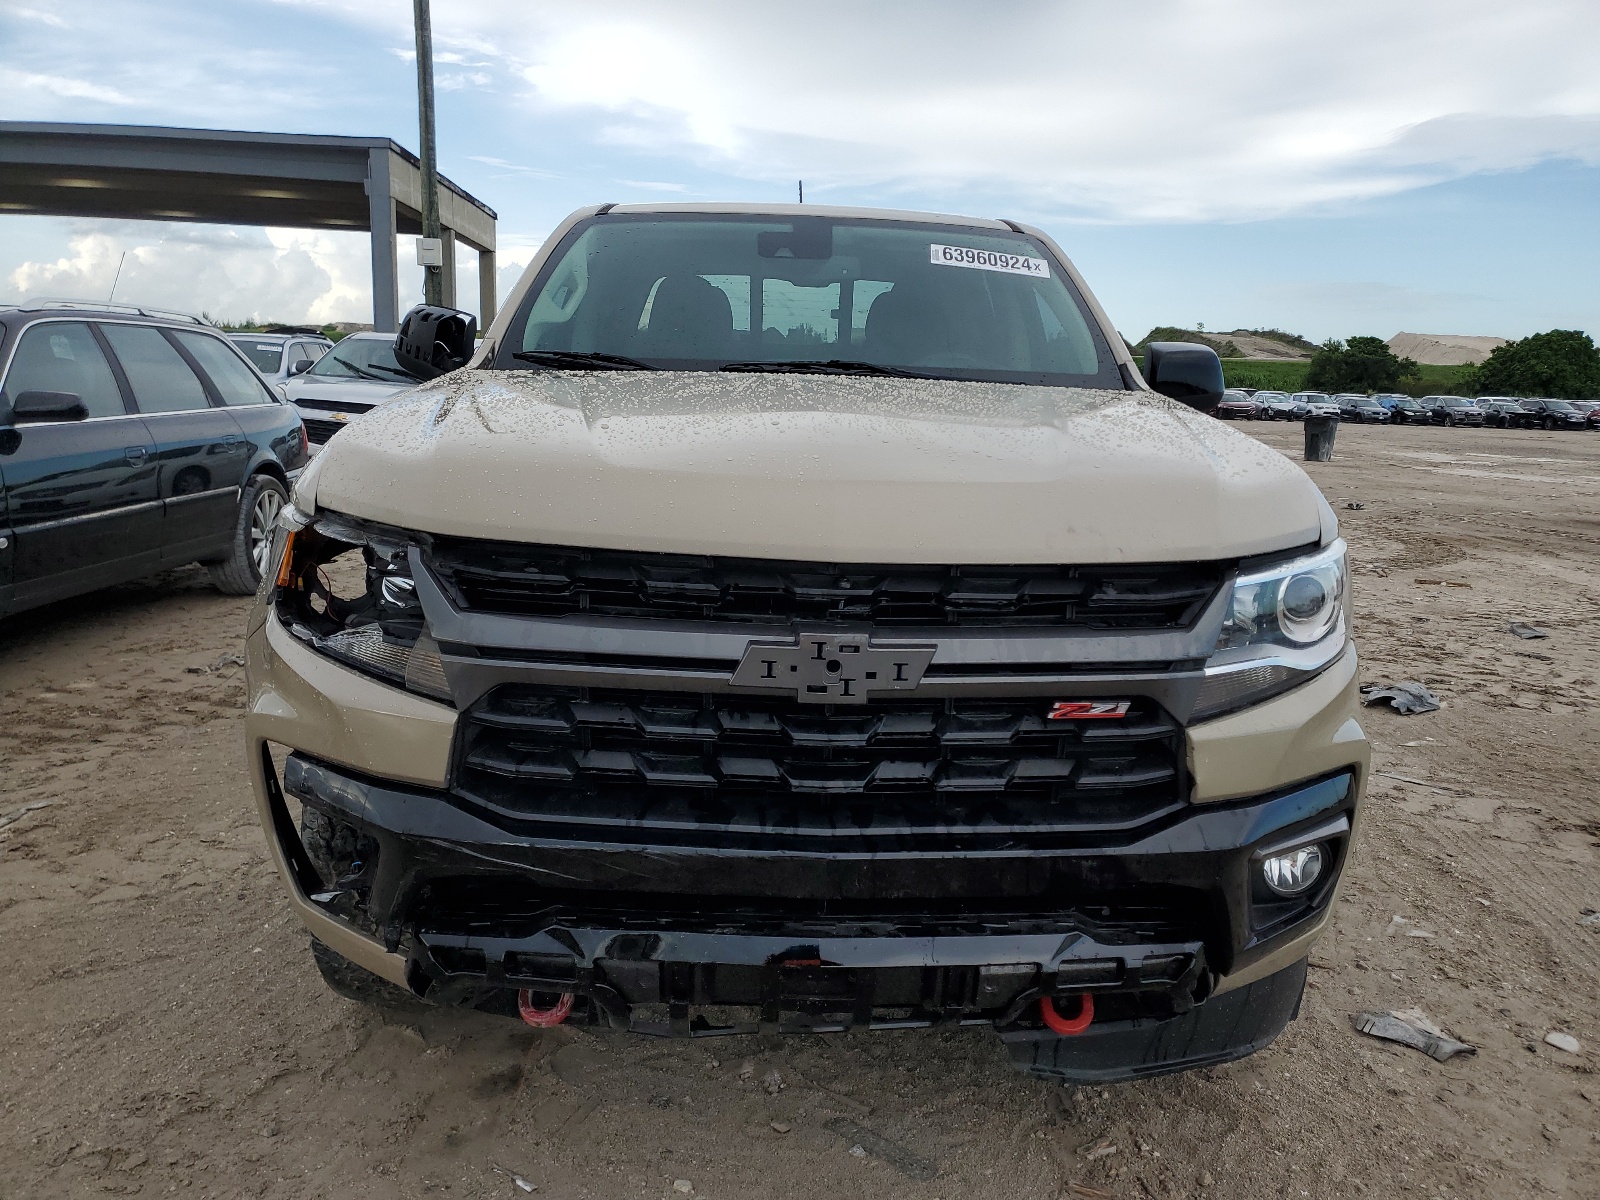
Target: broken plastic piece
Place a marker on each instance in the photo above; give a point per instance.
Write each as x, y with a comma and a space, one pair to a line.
1407, 698
1525, 631
544, 1018
1068, 1026
1430, 1041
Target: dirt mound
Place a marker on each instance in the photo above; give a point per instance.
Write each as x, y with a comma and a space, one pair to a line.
1444, 349
1255, 344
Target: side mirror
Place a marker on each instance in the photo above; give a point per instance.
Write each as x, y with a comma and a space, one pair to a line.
434, 341
48, 406
1185, 371
300, 366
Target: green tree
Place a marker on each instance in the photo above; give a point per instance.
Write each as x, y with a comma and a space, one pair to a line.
1363, 364
1561, 363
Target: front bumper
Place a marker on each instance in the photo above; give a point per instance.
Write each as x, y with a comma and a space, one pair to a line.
1149, 926
1159, 924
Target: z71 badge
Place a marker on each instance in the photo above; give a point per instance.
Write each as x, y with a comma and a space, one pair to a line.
832, 668
1088, 710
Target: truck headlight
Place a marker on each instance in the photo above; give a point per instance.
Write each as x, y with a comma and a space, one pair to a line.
344, 587
1285, 624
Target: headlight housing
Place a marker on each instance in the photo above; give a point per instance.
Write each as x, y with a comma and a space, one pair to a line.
344, 587
1285, 624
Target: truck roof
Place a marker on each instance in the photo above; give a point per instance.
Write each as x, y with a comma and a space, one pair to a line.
744, 209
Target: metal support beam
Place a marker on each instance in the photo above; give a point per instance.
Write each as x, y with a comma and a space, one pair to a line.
381, 220
447, 270
311, 181
486, 288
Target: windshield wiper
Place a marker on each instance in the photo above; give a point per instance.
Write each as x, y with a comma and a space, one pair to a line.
400, 371
831, 366
361, 372
581, 360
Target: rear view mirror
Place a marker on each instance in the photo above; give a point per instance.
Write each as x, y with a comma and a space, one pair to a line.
1185, 371
48, 406
811, 237
300, 366
434, 340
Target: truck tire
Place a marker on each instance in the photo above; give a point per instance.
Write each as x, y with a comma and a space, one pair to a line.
239, 574
357, 983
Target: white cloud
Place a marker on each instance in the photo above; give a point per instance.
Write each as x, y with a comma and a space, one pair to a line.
286, 275
63, 87
54, 20
1166, 110
650, 185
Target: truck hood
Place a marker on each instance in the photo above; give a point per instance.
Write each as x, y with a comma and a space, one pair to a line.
820, 468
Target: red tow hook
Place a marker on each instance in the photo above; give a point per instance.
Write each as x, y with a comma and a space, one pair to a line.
1065, 1026
543, 1018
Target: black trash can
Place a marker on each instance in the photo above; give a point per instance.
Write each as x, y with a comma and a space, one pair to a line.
1320, 432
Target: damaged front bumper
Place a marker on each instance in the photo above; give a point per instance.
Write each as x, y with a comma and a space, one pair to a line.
461, 907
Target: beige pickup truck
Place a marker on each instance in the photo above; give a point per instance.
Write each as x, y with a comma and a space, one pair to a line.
800, 619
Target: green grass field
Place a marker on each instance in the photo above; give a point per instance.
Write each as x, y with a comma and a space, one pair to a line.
1269, 375
1291, 376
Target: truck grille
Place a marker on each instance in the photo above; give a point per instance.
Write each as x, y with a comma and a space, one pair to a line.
646, 764
320, 429
554, 581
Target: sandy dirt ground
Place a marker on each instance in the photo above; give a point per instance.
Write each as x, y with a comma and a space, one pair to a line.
163, 1030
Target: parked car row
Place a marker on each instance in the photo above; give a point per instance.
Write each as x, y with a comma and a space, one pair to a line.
1503, 412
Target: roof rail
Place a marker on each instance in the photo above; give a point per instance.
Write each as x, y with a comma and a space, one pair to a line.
36, 303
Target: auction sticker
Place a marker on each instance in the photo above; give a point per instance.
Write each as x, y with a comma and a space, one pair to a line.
988, 260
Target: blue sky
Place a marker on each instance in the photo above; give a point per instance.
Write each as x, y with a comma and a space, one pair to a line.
1426, 165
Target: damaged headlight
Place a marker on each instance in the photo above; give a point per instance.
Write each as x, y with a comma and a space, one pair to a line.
344, 587
1285, 623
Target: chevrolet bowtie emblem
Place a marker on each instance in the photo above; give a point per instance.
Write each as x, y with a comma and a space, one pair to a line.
832, 668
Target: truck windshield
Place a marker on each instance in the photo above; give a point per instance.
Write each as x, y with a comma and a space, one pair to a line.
690, 292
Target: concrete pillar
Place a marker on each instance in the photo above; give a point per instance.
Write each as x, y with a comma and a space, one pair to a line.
447, 272
381, 220
486, 289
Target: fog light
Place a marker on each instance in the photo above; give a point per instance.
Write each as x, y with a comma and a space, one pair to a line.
1291, 873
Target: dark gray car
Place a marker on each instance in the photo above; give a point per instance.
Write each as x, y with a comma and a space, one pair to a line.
131, 441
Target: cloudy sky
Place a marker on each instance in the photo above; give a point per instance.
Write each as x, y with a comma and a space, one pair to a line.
1365, 167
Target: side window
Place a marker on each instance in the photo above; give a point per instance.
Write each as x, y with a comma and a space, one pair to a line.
62, 356
235, 382
162, 381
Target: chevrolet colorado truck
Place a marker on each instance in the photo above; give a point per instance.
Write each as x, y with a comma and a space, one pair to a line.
807, 619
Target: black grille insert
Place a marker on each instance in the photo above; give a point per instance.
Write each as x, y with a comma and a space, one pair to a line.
717, 766
515, 579
319, 431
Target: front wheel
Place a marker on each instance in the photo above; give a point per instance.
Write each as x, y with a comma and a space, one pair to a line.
357, 983
250, 554
1549, 424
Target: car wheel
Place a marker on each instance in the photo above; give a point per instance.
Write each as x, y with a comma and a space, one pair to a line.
1549, 424
249, 557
